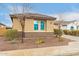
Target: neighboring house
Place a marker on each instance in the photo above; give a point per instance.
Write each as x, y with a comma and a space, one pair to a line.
69, 25
34, 23
2, 29
2, 25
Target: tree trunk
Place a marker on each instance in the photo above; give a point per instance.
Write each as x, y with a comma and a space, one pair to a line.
58, 33
23, 34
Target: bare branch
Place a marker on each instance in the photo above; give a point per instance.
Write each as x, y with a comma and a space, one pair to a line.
24, 8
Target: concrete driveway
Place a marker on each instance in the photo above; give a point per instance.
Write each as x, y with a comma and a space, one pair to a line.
75, 38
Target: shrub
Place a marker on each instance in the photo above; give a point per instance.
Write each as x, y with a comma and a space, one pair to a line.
67, 32
58, 32
39, 41
77, 33
71, 32
11, 34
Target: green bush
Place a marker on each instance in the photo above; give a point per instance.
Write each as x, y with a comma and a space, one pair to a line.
39, 41
11, 34
58, 32
67, 32
71, 32
77, 33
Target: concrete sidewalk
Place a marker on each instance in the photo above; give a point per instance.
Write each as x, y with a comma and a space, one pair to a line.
69, 50
75, 38
47, 51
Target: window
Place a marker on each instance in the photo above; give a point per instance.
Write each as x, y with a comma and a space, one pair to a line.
35, 25
77, 27
42, 25
72, 28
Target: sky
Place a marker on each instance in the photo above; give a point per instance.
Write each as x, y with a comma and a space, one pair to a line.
67, 11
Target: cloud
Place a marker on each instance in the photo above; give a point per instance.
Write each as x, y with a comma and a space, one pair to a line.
12, 9
69, 16
18, 8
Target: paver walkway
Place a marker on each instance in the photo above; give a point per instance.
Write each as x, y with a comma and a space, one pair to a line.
71, 49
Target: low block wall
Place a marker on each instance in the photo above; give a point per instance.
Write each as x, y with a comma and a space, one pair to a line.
36, 34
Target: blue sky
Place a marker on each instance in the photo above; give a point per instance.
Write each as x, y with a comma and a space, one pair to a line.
44, 8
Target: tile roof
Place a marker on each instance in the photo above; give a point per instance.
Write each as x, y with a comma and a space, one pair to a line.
63, 22
34, 15
2, 24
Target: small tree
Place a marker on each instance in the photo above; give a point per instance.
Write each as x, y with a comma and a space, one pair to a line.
58, 33
24, 8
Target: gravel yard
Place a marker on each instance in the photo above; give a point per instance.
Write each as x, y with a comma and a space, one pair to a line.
30, 43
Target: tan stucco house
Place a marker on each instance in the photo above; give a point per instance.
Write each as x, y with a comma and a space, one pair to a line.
2, 25
34, 23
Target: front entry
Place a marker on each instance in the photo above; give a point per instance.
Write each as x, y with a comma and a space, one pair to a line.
39, 25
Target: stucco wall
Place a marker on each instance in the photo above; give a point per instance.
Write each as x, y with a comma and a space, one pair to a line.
68, 27
56, 26
71, 25
50, 25
16, 24
29, 25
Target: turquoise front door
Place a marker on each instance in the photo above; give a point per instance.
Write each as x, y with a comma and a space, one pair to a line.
42, 25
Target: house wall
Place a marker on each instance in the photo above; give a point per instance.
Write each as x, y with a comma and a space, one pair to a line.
56, 26
2, 30
29, 25
50, 25
16, 24
69, 26
64, 27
